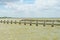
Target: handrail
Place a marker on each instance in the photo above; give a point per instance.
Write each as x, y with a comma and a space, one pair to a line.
36, 22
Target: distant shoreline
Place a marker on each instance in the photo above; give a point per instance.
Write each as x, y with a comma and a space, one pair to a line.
30, 18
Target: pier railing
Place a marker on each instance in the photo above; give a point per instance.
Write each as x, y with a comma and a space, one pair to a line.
30, 22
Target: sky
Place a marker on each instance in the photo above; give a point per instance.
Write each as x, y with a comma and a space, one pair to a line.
30, 8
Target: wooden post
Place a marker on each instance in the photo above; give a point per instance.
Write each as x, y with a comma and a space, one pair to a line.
24, 22
15, 22
4, 21
36, 22
7, 21
44, 23
1, 21
11, 21
30, 22
19, 21
53, 23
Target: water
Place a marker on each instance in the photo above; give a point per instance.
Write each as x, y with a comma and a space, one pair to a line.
26, 32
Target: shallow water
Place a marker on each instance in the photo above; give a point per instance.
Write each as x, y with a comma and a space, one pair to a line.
26, 32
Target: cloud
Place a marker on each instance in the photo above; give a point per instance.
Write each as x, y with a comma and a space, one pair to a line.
28, 1
40, 8
37, 4
8, 0
4, 2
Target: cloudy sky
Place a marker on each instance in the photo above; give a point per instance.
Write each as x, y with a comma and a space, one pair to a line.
30, 8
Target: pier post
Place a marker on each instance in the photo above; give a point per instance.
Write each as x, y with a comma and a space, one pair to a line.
30, 22
15, 22
44, 23
53, 23
19, 22
4, 21
11, 21
7, 21
1, 21
36, 22
24, 22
